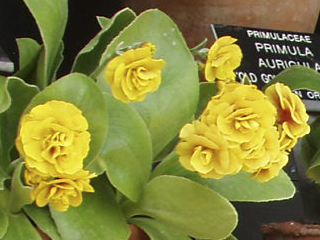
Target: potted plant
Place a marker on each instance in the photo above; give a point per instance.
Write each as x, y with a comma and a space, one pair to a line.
131, 137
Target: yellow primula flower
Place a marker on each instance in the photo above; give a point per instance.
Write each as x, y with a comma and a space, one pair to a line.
292, 117
64, 191
287, 143
223, 58
33, 177
53, 138
241, 113
261, 151
272, 170
134, 74
205, 151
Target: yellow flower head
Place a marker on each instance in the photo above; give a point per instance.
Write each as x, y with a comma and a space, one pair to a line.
205, 151
261, 150
53, 138
32, 177
223, 58
64, 191
241, 113
246, 119
135, 73
292, 116
272, 169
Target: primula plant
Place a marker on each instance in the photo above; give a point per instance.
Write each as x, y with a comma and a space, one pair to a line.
131, 136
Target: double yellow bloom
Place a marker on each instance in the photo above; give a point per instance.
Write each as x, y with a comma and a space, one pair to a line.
135, 73
223, 58
292, 117
53, 139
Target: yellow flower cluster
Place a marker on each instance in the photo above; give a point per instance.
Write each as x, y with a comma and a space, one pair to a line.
53, 139
135, 73
241, 128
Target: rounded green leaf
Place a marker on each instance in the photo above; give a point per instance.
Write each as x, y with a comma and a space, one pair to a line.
157, 230
98, 217
82, 92
239, 187
189, 207
174, 103
126, 154
298, 77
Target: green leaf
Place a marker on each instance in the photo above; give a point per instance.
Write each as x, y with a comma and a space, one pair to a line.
157, 230
41, 79
4, 200
298, 77
20, 195
51, 18
310, 143
207, 91
29, 51
231, 237
104, 22
21, 228
188, 206
239, 187
57, 61
85, 94
314, 168
174, 103
42, 218
200, 50
21, 94
4, 220
88, 58
98, 217
3, 177
310, 151
126, 154
5, 99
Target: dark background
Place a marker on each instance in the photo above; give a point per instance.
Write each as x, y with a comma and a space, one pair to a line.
17, 22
